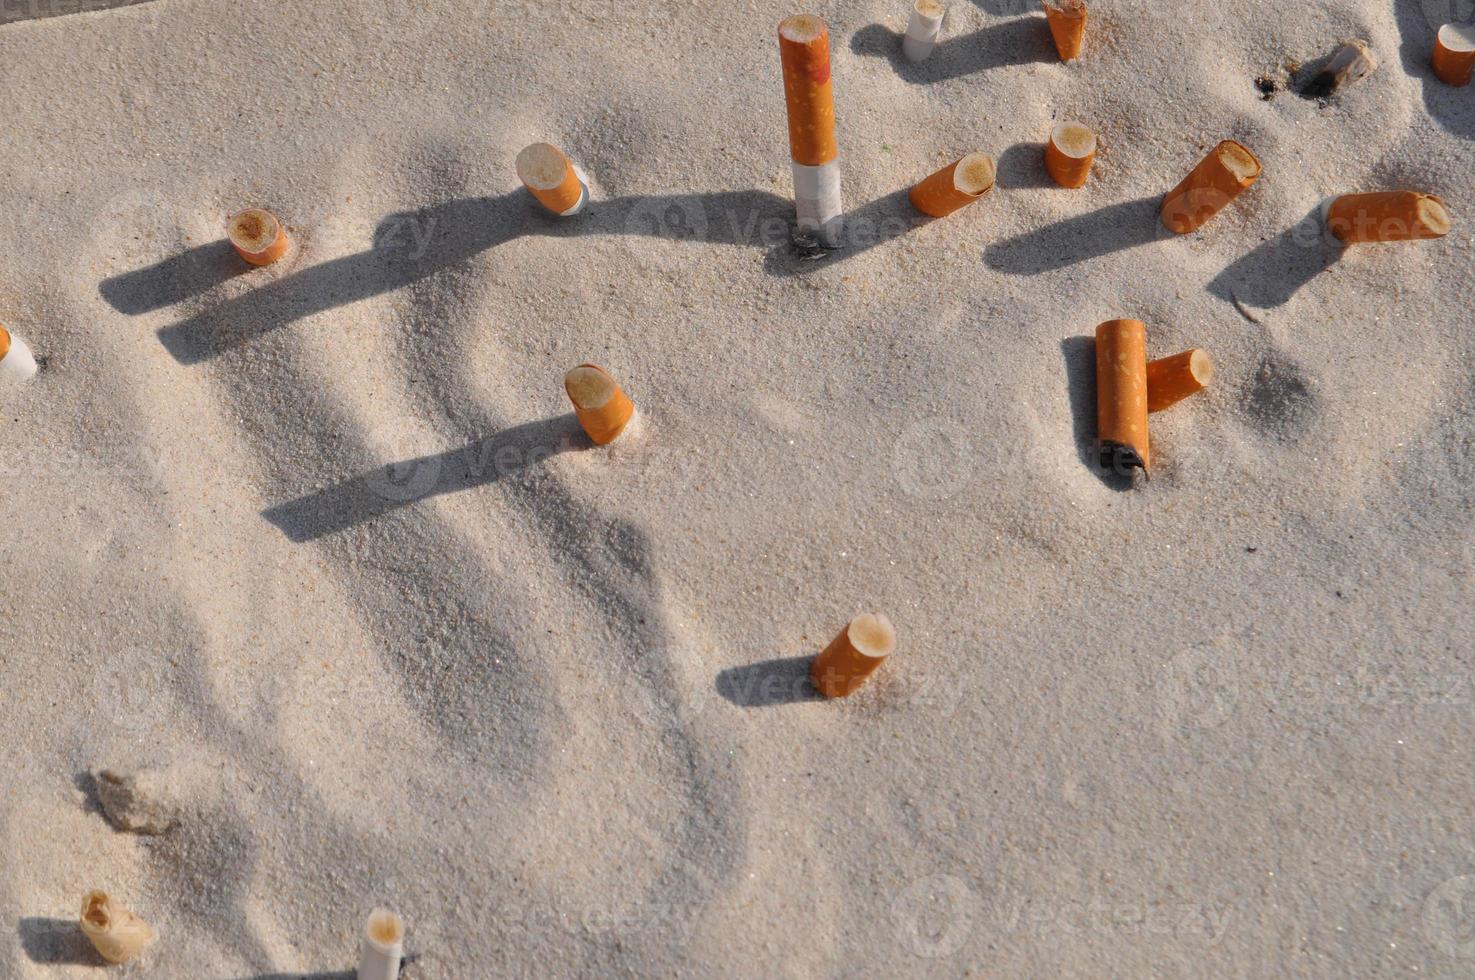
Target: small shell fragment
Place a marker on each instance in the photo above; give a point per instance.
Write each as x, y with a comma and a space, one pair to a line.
117, 933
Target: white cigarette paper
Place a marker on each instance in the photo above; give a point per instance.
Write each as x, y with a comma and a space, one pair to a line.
817, 201
923, 30
384, 939
19, 364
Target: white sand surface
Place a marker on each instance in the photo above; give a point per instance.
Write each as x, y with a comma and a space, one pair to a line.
548, 701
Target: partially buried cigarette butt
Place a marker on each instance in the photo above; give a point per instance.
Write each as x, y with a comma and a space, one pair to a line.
957, 185
1387, 216
862, 646
1121, 394
603, 409
1172, 379
1353, 60
1067, 19
1454, 54
804, 49
17, 363
257, 235
1069, 154
923, 29
383, 946
552, 178
117, 933
1218, 179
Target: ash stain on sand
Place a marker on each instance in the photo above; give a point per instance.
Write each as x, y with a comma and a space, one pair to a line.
1279, 399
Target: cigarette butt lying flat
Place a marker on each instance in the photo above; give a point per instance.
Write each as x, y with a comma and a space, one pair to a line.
1121, 393
551, 178
603, 409
1218, 179
1454, 53
923, 29
957, 185
17, 363
1069, 154
804, 49
1067, 19
258, 236
117, 933
1387, 216
1172, 379
1351, 61
383, 946
853, 656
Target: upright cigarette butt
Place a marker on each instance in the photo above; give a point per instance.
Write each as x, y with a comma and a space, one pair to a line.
115, 932
603, 409
1172, 379
552, 178
1121, 393
383, 946
804, 49
1069, 154
923, 29
17, 363
1218, 179
1454, 54
1353, 60
1387, 216
865, 642
957, 185
1067, 19
257, 235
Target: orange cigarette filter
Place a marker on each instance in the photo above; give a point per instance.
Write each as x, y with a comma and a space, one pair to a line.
1454, 54
1218, 179
549, 176
1172, 379
1121, 393
1387, 216
258, 236
4, 343
603, 409
804, 48
862, 646
1069, 154
955, 186
1067, 19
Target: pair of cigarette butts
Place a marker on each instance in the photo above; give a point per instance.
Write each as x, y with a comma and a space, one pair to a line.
1068, 158
1066, 19
1128, 387
1230, 169
119, 935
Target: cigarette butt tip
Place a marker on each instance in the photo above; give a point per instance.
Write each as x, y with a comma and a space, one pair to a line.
384, 927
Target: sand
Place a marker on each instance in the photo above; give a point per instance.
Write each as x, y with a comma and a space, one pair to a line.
547, 701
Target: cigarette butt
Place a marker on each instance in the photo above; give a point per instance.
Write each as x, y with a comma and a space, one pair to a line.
1172, 379
1069, 154
17, 363
552, 178
1454, 53
804, 49
1387, 216
258, 236
383, 946
1351, 61
603, 409
853, 656
955, 186
1218, 179
117, 933
923, 29
1121, 393
1067, 19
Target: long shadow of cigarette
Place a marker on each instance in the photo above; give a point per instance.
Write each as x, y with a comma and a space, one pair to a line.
411, 246
769, 683
387, 488
57, 8
1272, 273
1088, 236
57, 942
1080, 375
1015, 42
